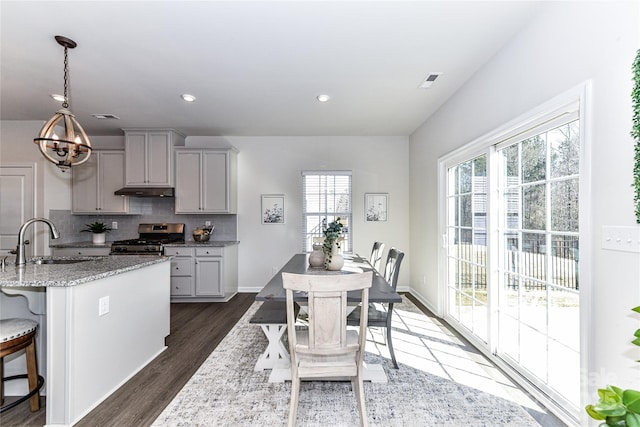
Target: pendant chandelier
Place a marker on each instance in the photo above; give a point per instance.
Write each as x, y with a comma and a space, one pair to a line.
73, 147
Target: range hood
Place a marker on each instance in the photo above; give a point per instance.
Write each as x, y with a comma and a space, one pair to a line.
146, 192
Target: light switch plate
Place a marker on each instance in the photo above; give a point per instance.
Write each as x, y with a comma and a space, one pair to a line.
621, 238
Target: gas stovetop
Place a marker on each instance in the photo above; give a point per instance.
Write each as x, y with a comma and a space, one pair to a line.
151, 240
148, 241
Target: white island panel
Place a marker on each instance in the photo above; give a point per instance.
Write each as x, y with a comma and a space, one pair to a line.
91, 355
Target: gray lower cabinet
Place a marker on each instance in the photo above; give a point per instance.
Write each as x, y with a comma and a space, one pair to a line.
204, 273
209, 270
182, 272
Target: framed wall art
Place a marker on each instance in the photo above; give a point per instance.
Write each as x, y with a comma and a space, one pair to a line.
376, 206
272, 208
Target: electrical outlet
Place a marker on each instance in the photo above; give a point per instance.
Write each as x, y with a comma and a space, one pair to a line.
207, 223
114, 225
103, 306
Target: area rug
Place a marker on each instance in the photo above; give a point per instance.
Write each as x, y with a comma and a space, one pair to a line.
225, 391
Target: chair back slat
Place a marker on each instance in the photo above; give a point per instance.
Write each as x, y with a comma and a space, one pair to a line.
392, 267
376, 255
330, 333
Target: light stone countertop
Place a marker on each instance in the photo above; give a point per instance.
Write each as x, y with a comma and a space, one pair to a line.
194, 244
90, 269
187, 244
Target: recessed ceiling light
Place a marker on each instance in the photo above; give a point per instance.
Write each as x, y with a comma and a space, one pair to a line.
59, 98
323, 98
188, 98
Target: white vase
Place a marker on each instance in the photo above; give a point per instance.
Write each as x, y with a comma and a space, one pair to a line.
99, 238
316, 258
334, 261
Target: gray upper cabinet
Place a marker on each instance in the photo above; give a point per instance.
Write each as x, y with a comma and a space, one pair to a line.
94, 182
206, 181
149, 157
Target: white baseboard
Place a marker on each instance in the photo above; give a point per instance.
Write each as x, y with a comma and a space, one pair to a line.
249, 290
425, 302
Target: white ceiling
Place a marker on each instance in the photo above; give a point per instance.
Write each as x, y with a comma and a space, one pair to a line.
255, 67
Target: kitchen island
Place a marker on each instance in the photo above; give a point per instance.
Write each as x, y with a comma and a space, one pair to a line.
105, 319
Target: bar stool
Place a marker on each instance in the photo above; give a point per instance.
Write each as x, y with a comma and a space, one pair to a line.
16, 334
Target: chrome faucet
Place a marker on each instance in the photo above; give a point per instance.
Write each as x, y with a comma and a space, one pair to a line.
20, 258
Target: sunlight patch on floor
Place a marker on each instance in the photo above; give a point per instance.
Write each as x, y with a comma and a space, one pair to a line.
424, 343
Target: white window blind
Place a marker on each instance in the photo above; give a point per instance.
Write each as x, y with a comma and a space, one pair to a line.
326, 197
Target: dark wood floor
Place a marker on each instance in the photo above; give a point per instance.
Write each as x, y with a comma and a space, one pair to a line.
196, 330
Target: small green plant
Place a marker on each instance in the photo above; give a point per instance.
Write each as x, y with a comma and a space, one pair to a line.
97, 227
617, 407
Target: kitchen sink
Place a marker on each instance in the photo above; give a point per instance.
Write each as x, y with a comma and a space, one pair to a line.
39, 261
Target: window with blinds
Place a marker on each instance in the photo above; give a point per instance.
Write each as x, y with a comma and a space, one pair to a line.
326, 197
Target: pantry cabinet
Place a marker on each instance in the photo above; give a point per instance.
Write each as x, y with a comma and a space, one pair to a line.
149, 157
94, 183
206, 181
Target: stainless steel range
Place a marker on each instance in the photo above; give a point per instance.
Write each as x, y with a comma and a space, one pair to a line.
151, 239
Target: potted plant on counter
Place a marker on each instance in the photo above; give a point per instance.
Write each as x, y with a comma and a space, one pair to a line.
99, 230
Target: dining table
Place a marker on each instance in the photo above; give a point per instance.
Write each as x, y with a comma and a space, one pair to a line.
272, 315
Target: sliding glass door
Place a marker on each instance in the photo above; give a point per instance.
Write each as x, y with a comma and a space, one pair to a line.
512, 253
467, 248
539, 307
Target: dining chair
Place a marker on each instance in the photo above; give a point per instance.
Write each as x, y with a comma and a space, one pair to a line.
376, 255
326, 349
379, 315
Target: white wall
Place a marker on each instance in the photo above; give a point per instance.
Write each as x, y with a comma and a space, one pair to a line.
52, 185
567, 44
273, 165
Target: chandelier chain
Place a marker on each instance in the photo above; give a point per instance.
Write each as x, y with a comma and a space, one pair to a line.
65, 104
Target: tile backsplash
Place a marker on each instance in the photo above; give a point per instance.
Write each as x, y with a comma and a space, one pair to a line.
148, 210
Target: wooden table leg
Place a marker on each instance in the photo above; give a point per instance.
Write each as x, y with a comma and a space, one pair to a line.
275, 355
